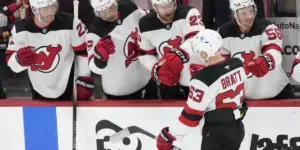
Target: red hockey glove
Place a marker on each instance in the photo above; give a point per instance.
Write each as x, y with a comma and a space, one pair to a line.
194, 68
183, 2
85, 87
104, 48
261, 65
165, 140
26, 56
167, 70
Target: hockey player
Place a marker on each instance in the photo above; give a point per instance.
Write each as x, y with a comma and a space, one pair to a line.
169, 26
51, 47
112, 47
258, 43
217, 95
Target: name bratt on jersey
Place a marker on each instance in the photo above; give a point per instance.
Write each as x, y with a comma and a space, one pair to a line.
131, 46
246, 57
48, 58
166, 46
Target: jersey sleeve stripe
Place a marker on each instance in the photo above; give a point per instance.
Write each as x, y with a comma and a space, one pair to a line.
190, 110
91, 57
146, 52
80, 47
82, 53
8, 54
265, 48
190, 35
187, 122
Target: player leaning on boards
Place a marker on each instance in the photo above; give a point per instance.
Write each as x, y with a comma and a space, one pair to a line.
112, 47
169, 26
258, 43
51, 46
209, 88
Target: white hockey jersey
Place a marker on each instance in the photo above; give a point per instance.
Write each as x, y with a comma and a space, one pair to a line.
123, 74
158, 38
3, 20
263, 38
295, 73
56, 45
214, 87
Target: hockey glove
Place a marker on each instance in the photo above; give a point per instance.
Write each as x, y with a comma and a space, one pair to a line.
194, 68
165, 140
261, 65
168, 69
104, 48
26, 56
85, 87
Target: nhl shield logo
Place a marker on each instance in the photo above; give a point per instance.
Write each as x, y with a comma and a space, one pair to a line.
168, 26
119, 21
44, 30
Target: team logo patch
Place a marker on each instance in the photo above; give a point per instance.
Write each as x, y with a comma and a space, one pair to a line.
246, 58
131, 46
48, 58
166, 46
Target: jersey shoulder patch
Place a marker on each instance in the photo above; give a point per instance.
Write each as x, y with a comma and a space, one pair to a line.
212, 73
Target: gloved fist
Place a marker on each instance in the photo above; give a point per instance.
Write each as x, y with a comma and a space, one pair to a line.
194, 68
165, 140
26, 56
261, 65
168, 69
104, 48
85, 87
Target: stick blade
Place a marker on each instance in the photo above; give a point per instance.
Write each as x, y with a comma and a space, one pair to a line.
119, 136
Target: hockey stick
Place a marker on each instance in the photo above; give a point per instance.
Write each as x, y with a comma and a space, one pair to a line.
75, 103
131, 130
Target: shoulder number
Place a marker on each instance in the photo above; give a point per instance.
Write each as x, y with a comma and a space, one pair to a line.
195, 20
228, 99
81, 28
196, 94
273, 34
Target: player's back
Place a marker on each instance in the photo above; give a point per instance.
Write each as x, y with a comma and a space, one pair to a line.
226, 87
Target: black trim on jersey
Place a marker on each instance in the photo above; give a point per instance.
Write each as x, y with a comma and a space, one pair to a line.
62, 21
150, 21
100, 64
212, 73
81, 52
231, 29
191, 117
102, 28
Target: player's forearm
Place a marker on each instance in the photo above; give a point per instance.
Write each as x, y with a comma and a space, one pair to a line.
94, 68
276, 55
14, 64
82, 64
148, 61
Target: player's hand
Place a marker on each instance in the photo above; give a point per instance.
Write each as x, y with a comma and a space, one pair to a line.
165, 140
85, 87
194, 68
104, 48
168, 69
26, 56
261, 65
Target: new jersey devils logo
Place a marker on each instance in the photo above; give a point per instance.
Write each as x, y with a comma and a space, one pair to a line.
166, 46
48, 58
246, 58
130, 47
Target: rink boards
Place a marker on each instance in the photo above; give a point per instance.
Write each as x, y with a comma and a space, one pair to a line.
29, 125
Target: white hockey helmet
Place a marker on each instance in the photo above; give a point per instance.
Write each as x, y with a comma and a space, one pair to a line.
208, 41
154, 2
101, 5
239, 4
41, 3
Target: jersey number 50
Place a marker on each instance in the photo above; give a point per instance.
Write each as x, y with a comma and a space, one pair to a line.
229, 98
